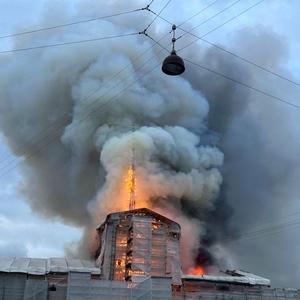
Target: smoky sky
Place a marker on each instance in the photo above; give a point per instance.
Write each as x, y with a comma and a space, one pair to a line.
182, 126
260, 141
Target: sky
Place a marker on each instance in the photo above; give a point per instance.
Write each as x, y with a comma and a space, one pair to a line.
26, 233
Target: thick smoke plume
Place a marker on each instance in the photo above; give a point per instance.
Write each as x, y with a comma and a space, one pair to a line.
75, 170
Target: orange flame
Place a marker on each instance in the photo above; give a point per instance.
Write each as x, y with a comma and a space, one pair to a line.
129, 180
198, 270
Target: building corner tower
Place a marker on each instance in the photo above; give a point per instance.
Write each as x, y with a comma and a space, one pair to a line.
137, 244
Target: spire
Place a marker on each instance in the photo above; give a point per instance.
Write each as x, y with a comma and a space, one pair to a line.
132, 183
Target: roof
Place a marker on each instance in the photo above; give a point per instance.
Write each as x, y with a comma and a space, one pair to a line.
43, 266
236, 276
145, 211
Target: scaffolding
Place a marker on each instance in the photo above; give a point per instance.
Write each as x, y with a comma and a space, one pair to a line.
81, 287
137, 259
264, 294
139, 243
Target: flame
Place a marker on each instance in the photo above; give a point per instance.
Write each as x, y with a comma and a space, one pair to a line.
128, 183
198, 270
130, 180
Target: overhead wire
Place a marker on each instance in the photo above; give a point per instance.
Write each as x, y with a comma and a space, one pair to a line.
197, 13
86, 116
69, 43
82, 41
137, 57
157, 15
235, 55
66, 115
247, 60
242, 83
258, 233
147, 61
71, 23
224, 75
147, 7
264, 232
222, 48
215, 15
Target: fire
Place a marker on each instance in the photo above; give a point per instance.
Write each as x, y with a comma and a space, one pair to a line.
130, 180
198, 270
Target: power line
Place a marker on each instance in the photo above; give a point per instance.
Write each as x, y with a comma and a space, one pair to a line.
199, 12
38, 150
69, 43
218, 13
233, 80
225, 76
202, 23
114, 86
243, 84
135, 59
66, 115
71, 23
205, 8
264, 232
228, 51
247, 61
157, 15
221, 25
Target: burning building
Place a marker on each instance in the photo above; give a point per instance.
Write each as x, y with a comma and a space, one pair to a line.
137, 258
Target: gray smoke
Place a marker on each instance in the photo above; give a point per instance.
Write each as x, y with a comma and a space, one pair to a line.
260, 142
74, 169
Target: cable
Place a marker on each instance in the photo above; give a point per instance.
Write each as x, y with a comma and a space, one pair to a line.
264, 232
33, 153
149, 49
70, 24
226, 22
228, 51
199, 12
164, 7
211, 17
243, 84
233, 80
218, 13
247, 61
205, 8
66, 115
225, 76
69, 43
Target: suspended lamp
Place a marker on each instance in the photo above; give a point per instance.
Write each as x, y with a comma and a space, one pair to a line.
173, 64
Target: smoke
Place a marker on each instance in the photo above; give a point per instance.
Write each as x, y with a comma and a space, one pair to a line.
179, 128
260, 145
76, 171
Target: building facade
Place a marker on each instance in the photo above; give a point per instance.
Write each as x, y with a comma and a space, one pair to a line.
137, 258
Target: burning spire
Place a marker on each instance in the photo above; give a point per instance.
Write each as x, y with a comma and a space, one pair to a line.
131, 182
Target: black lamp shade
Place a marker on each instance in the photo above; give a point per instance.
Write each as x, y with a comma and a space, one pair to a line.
173, 65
